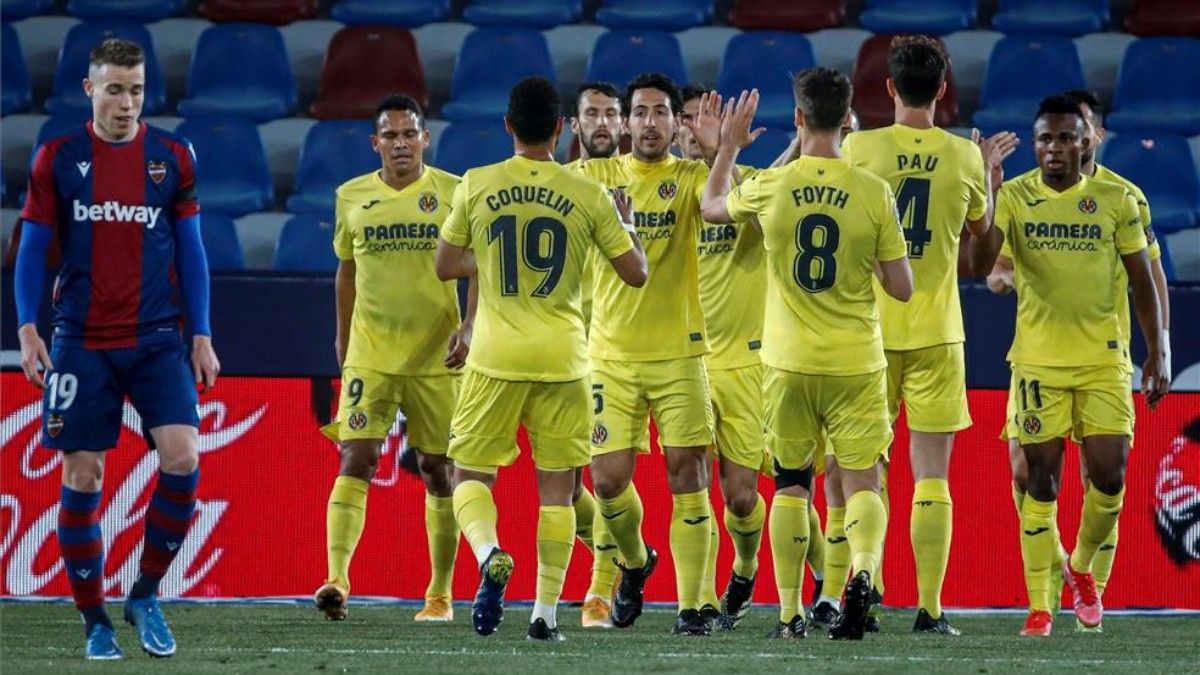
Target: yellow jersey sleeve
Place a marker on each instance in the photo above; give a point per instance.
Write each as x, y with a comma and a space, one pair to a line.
891, 244
456, 231
1130, 236
343, 236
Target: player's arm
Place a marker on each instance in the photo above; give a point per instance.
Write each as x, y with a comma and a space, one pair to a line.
735, 134
344, 297
791, 152
460, 339
28, 280
1163, 291
891, 252
1155, 379
454, 259
631, 265
1001, 281
896, 278
192, 265
995, 149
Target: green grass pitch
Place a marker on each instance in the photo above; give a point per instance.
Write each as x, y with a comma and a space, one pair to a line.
48, 637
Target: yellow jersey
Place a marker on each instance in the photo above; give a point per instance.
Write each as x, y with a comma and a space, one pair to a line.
588, 272
938, 180
1066, 249
662, 320
531, 226
733, 290
403, 315
824, 225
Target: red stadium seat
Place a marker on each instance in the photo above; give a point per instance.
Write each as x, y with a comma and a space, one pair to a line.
1164, 17
351, 85
801, 17
874, 107
277, 12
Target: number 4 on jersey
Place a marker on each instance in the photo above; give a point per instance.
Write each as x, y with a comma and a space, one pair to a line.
912, 199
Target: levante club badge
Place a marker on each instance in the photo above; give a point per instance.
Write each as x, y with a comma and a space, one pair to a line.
157, 170
54, 425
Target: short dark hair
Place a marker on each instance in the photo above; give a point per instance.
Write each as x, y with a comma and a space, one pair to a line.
657, 81
917, 65
604, 88
117, 52
1058, 105
400, 102
1084, 97
692, 91
823, 95
533, 106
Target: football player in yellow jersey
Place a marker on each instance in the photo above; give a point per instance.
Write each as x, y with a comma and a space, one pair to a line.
828, 229
528, 225
1001, 281
1069, 234
940, 181
394, 320
732, 294
647, 347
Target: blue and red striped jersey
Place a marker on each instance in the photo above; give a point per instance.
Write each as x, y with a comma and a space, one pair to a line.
115, 206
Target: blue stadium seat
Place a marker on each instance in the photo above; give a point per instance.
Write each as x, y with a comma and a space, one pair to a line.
466, 145
668, 15
1159, 87
240, 69
1164, 167
1065, 17
1167, 263
621, 55
936, 17
125, 10
67, 97
232, 175
1020, 73
763, 151
15, 10
17, 88
490, 62
55, 127
538, 14
334, 152
406, 13
766, 60
306, 244
221, 245
1023, 158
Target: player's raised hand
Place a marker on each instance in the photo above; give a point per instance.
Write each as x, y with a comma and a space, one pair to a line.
460, 346
33, 354
624, 205
205, 365
706, 125
1156, 382
736, 120
996, 148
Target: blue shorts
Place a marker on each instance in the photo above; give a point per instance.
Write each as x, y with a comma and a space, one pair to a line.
85, 393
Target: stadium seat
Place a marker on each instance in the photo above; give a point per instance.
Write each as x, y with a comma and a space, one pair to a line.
240, 69
621, 55
800, 17
306, 244
54, 127
874, 107
334, 152
668, 15
1167, 263
126, 10
351, 83
221, 245
1023, 158
1158, 88
67, 97
15, 10
936, 17
1020, 73
1065, 17
17, 88
490, 62
232, 176
1164, 17
537, 14
405, 13
766, 148
275, 12
466, 145
1164, 167
766, 59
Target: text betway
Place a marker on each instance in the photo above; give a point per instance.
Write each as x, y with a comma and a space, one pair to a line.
115, 212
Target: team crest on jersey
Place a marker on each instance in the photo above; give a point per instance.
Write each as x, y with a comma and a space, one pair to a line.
157, 170
667, 190
1088, 205
1032, 425
358, 421
599, 434
428, 202
54, 425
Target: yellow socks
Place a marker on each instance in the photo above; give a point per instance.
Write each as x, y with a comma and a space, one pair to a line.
930, 531
866, 524
1103, 562
690, 523
837, 552
585, 517
604, 549
1100, 512
708, 585
475, 512
442, 533
789, 547
344, 518
747, 537
816, 544
623, 518
877, 575
555, 539
1039, 548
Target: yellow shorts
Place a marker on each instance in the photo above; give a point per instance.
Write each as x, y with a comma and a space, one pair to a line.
1047, 402
369, 401
737, 413
851, 411
626, 393
932, 383
556, 415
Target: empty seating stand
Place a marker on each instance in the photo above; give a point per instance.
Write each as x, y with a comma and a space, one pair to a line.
766, 60
789, 15
277, 12
490, 62
352, 84
1158, 87
1068, 18
621, 55
240, 69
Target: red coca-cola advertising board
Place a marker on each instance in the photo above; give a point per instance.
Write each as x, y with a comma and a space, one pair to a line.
266, 473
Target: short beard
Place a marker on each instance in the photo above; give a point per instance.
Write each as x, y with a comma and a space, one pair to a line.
595, 153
